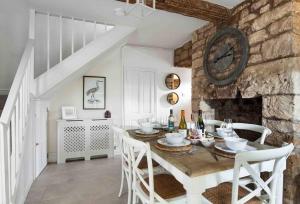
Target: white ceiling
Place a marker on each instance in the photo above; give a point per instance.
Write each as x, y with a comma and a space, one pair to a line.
227, 3
161, 29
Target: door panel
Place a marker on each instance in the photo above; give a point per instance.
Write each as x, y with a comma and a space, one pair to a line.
139, 95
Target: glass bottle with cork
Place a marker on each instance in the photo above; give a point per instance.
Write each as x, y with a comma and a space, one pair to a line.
182, 128
200, 123
171, 121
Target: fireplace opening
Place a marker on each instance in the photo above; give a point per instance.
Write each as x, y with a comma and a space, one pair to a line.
240, 110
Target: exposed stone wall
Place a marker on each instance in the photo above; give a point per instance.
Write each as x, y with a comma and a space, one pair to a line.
273, 72
183, 55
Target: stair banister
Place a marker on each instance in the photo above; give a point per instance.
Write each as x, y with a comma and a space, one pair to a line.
14, 123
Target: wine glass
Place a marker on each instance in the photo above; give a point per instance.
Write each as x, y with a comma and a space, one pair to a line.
228, 125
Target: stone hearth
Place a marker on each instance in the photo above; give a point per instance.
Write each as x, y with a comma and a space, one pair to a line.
272, 73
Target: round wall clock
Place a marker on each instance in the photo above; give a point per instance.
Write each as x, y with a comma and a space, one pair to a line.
225, 56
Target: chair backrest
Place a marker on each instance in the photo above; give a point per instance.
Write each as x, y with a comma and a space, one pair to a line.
279, 155
137, 150
213, 122
264, 131
120, 134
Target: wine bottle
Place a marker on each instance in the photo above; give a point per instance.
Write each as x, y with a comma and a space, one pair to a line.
182, 129
200, 123
171, 120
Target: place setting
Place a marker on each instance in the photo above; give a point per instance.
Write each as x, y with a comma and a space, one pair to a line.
174, 142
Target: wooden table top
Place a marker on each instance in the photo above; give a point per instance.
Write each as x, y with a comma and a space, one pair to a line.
200, 161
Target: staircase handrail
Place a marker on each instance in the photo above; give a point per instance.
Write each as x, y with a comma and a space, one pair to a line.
15, 88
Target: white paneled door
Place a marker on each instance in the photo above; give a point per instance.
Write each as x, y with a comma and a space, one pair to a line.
139, 95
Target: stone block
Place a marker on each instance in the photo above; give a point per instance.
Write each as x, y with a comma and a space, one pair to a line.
265, 9
271, 16
277, 2
194, 37
281, 126
281, 26
255, 6
197, 63
278, 47
279, 107
269, 78
244, 13
255, 58
277, 138
257, 37
197, 55
247, 18
255, 49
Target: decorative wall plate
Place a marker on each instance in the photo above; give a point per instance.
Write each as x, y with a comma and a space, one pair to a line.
226, 56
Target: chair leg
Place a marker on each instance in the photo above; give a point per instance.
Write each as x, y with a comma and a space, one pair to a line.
122, 183
134, 200
129, 192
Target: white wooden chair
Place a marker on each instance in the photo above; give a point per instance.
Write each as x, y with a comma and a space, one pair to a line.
264, 131
233, 193
213, 122
150, 189
120, 134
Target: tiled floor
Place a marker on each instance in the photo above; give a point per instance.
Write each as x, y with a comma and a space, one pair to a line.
81, 182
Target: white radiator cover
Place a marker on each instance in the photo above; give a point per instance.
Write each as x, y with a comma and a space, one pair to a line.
83, 138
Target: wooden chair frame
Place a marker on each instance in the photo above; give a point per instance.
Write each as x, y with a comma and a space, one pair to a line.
270, 186
125, 160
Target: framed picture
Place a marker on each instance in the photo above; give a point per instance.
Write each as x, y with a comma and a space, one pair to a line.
68, 113
94, 92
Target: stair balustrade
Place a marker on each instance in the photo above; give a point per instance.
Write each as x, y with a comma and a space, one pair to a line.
15, 129
58, 37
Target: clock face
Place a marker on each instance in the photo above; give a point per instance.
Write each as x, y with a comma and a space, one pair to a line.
226, 56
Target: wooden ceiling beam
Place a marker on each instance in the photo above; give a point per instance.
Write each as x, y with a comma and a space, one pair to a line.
194, 8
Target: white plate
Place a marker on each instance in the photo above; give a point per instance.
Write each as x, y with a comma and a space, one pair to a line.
146, 133
224, 148
164, 142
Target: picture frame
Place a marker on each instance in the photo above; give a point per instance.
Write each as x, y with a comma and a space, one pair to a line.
68, 112
94, 93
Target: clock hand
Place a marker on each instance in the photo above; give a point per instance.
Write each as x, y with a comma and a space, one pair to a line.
224, 55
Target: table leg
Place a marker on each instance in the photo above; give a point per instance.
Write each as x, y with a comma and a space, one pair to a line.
194, 193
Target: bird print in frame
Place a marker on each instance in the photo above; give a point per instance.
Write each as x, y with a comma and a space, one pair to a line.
94, 92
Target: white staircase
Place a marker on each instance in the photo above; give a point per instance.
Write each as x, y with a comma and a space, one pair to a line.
19, 119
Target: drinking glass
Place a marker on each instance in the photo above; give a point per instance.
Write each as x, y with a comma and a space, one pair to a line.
228, 125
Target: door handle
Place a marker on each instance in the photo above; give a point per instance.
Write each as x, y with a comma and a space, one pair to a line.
37, 144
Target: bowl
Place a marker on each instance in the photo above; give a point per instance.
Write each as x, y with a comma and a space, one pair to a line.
174, 138
147, 127
224, 132
235, 143
207, 142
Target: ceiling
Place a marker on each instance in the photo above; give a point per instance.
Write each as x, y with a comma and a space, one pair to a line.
161, 29
227, 3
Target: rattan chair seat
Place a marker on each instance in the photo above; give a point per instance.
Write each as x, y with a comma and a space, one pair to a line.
221, 194
166, 186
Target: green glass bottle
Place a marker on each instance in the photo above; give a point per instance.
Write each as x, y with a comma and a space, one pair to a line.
200, 123
171, 120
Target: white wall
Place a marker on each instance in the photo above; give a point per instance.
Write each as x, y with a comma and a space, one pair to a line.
111, 67
13, 37
71, 95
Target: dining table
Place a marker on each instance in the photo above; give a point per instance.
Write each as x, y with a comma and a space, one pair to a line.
201, 168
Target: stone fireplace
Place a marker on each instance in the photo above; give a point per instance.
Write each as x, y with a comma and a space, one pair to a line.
272, 77
238, 109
